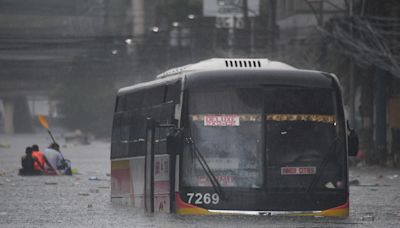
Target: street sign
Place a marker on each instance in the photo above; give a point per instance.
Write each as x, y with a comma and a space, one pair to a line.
229, 13
213, 8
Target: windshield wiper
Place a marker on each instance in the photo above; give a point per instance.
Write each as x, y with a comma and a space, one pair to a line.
203, 163
323, 164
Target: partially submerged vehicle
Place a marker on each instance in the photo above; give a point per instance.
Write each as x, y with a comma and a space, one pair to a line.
235, 136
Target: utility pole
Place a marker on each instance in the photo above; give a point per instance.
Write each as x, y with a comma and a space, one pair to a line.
246, 25
352, 87
380, 104
321, 13
231, 39
272, 26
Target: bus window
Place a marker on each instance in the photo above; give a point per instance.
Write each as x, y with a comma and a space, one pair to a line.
137, 131
226, 127
134, 100
116, 145
120, 104
166, 115
302, 138
154, 96
173, 92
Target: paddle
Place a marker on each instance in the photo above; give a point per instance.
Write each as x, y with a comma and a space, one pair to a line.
43, 121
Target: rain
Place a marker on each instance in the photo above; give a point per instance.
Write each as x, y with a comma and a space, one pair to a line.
66, 62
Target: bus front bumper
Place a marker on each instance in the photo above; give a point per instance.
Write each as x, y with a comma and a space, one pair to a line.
184, 208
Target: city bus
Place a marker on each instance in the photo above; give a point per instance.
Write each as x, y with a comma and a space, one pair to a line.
233, 136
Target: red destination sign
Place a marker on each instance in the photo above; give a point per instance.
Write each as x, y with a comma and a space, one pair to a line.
221, 120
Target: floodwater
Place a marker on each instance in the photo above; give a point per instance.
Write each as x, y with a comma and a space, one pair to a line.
80, 201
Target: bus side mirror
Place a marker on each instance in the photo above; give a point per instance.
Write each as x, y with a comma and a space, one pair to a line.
352, 142
174, 142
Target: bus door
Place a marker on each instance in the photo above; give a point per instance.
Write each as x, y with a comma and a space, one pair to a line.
149, 167
159, 169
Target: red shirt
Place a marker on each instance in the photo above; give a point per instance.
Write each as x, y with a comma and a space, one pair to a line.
40, 157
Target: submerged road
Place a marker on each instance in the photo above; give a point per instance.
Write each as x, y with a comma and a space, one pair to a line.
83, 200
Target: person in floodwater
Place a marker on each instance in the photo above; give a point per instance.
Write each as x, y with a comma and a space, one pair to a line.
43, 162
27, 162
55, 158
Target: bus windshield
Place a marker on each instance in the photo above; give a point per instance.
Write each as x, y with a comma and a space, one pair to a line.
280, 138
303, 139
226, 127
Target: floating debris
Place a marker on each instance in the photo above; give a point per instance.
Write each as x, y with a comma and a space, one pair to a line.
93, 190
83, 194
104, 187
74, 171
392, 177
90, 205
368, 218
50, 183
354, 182
5, 145
93, 178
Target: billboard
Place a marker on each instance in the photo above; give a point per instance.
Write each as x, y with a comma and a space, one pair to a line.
229, 13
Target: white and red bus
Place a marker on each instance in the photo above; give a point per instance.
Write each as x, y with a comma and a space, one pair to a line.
235, 136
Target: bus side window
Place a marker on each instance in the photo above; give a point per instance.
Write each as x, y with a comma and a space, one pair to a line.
116, 136
120, 104
173, 92
166, 115
136, 133
154, 96
134, 100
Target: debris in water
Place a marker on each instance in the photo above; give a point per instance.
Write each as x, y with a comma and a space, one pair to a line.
83, 194
93, 190
93, 178
354, 182
50, 183
5, 145
392, 177
108, 174
368, 218
77, 137
90, 205
74, 171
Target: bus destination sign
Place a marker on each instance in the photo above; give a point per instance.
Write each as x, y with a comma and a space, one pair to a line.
298, 170
221, 120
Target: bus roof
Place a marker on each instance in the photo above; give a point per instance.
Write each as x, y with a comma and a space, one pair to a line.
234, 66
228, 64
